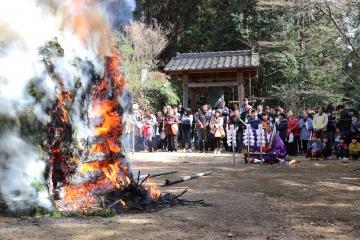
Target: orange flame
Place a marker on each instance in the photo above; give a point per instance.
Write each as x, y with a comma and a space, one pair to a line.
154, 192
64, 98
110, 169
106, 110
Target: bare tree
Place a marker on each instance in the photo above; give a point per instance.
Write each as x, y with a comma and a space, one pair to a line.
147, 42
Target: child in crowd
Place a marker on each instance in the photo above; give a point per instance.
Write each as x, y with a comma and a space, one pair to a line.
327, 148
217, 130
354, 149
314, 148
342, 150
254, 121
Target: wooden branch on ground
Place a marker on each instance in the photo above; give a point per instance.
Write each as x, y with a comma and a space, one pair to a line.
185, 178
114, 203
144, 180
183, 192
354, 170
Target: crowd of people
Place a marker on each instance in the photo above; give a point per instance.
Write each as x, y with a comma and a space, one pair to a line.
322, 133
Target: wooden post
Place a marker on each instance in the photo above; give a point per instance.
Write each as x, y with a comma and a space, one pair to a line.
193, 100
261, 135
185, 85
240, 81
250, 87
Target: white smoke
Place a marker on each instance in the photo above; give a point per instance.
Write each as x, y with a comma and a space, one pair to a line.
25, 26
120, 11
21, 174
23, 30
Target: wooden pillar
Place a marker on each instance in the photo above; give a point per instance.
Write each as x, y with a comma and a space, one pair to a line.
185, 86
193, 100
240, 87
250, 87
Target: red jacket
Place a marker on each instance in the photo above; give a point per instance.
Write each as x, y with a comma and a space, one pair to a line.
293, 126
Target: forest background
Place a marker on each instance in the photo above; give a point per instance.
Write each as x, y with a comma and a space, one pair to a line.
309, 49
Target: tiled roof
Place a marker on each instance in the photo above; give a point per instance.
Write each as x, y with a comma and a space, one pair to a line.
213, 61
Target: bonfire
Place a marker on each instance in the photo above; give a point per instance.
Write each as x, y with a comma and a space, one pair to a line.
77, 94
90, 172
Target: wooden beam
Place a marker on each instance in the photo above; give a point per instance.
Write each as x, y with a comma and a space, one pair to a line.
246, 77
240, 84
244, 69
213, 84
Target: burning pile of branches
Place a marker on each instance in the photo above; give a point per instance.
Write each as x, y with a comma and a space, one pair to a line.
91, 172
77, 94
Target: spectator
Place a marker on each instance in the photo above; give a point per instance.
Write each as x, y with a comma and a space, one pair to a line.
245, 106
320, 122
354, 121
292, 133
267, 110
178, 120
273, 115
149, 131
314, 148
138, 128
180, 109
305, 126
331, 127
236, 120
202, 126
311, 113
337, 137
234, 107
354, 149
246, 114
260, 110
254, 121
327, 148
342, 150
163, 136
187, 121
344, 123
225, 115
217, 130
160, 136
171, 130
127, 139
281, 126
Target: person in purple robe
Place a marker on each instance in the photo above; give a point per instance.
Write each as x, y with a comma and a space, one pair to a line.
275, 148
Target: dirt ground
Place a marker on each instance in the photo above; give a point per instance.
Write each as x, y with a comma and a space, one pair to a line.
314, 200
